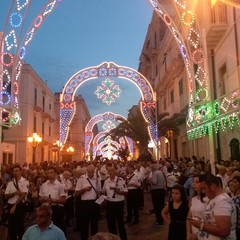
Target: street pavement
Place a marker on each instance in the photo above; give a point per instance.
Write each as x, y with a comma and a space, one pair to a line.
144, 230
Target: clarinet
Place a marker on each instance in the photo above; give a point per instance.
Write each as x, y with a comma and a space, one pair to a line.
114, 194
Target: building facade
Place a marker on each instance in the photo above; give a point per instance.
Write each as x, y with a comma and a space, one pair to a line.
74, 147
162, 64
39, 109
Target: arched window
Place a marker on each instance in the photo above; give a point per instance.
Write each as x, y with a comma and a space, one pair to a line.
234, 148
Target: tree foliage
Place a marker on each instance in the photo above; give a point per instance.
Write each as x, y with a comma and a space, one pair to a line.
135, 128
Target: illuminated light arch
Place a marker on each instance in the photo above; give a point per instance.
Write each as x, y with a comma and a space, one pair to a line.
106, 69
122, 140
99, 118
105, 146
14, 51
189, 38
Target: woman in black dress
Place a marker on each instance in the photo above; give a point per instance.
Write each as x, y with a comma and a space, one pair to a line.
175, 214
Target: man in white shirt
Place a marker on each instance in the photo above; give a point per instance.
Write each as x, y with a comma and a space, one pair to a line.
16, 193
53, 193
87, 189
219, 218
133, 202
115, 189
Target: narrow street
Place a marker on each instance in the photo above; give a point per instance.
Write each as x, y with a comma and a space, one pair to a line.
145, 230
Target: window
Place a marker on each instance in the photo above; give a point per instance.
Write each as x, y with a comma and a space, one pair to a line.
43, 126
35, 96
7, 158
49, 131
34, 124
50, 106
222, 80
172, 96
43, 103
234, 148
180, 85
164, 104
155, 39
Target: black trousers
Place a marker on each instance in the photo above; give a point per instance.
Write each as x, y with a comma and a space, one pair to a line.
89, 216
58, 216
133, 203
141, 197
78, 212
16, 222
115, 216
158, 198
69, 209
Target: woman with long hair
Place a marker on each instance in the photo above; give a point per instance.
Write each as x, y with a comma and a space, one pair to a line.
197, 207
175, 213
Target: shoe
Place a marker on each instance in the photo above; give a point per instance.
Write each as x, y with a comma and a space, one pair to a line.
127, 221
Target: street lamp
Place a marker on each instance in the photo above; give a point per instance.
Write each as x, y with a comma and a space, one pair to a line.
59, 144
35, 140
70, 149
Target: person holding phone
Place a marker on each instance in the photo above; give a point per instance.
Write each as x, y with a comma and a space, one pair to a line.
197, 207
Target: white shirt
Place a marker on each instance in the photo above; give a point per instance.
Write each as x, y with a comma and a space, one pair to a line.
67, 183
22, 185
171, 180
133, 179
103, 172
139, 174
83, 182
221, 205
117, 182
197, 209
53, 190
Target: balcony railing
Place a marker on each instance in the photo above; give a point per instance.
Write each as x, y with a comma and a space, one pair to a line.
218, 24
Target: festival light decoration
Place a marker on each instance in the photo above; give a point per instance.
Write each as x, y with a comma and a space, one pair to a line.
38, 21
188, 18
108, 125
10, 40
201, 76
194, 37
167, 20
198, 56
7, 59
21, 5
185, 10
108, 91
103, 70
16, 20
107, 116
181, 3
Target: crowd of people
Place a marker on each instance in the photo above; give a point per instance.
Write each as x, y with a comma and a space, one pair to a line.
185, 194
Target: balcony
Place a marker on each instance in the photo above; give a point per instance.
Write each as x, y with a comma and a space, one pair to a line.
217, 26
37, 108
175, 67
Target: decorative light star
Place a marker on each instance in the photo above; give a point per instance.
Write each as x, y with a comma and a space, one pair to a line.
108, 91
108, 125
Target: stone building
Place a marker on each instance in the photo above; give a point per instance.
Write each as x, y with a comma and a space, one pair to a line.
162, 64
39, 109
